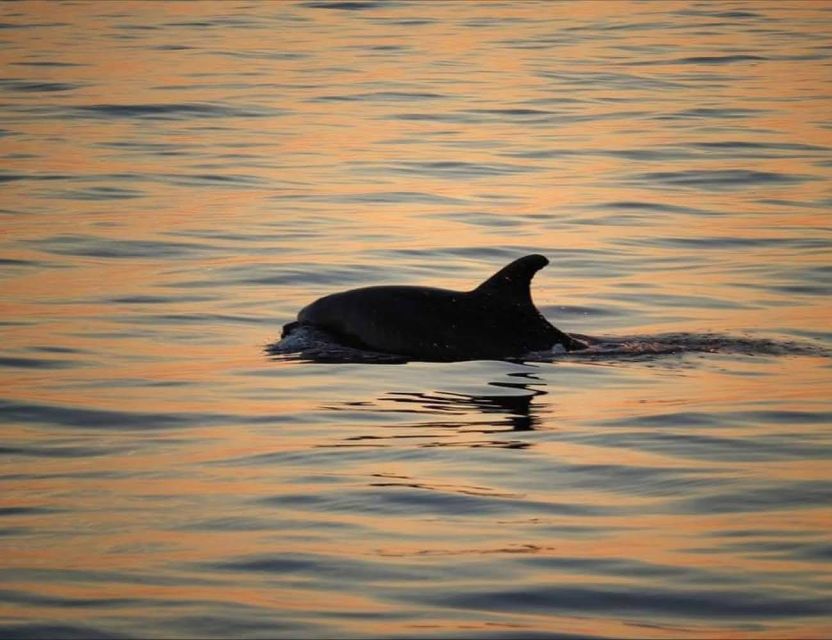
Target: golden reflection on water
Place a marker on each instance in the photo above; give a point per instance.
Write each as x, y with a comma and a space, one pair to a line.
147, 505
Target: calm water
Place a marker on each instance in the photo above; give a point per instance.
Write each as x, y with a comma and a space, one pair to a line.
178, 179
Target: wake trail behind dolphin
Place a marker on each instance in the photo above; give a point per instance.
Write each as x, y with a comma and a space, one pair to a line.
316, 345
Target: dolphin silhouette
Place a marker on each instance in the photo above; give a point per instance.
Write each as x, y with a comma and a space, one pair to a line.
496, 320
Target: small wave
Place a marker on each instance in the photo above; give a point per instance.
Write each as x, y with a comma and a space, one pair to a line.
175, 111
719, 179
344, 6
311, 344
99, 247
31, 86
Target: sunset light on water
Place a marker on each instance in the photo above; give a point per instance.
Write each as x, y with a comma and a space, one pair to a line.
181, 178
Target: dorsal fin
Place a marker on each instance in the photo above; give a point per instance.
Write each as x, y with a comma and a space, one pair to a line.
514, 280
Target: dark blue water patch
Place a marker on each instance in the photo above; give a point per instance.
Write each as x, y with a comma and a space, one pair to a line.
539, 43
790, 550
32, 25
721, 243
756, 147
671, 420
784, 417
820, 552
548, 154
20, 156
225, 180
703, 12
98, 194
395, 499
714, 448
392, 197
49, 348
704, 60
173, 111
9, 176
36, 363
634, 480
656, 154
32, 86
624, 567
127, 383
712, 113
137, 27
718, 179
614, 600
381, 96
824, 336
412, 22
58, 451
234, 620
48, 63
654, 207
532, 116
222, 21
798, 280
784, 496
97, 247
725, 418
156, 148
58, 631
760, 533
171, 47
453, 117
15, 262
348, 5
338, 569
79, 417
603, 81
246, 523
492, 631
6, 512
514, 113
25, 598
146, 299
267, 54
391, 48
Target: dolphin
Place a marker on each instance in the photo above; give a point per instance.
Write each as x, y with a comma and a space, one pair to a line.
495, 320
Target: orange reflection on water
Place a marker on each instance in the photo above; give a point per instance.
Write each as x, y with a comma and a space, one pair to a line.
156, 443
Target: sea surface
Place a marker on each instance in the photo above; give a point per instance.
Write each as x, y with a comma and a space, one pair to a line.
178, 179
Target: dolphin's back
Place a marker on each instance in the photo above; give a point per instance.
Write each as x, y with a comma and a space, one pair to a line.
411, 321
496, 320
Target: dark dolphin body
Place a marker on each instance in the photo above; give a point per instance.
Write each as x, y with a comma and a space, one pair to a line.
496, 320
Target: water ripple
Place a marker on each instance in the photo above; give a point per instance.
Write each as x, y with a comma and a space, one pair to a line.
173, 111
719, 179
677, 602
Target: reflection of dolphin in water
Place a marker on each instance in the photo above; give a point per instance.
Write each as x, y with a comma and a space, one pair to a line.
445, 418
496, 320
514, 409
